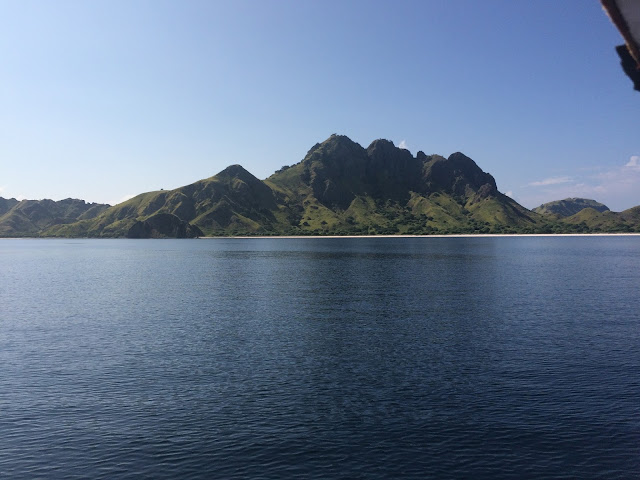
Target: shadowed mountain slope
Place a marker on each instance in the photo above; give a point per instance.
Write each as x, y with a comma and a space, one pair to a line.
338, 188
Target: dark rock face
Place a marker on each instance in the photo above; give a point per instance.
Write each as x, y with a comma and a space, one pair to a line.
391, 171
163, 225
338, 187
335, 170
339, 169
458, 175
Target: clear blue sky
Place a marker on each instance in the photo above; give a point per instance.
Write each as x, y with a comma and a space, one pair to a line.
101, 100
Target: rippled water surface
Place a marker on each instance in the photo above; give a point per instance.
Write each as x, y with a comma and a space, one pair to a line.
320, 358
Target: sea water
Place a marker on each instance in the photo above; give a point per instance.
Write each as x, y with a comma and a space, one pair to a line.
513, 357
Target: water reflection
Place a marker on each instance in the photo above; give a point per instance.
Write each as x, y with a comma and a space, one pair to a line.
508, 357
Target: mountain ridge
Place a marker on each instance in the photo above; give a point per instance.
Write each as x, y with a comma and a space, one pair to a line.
569, 206
338, 188
31, 217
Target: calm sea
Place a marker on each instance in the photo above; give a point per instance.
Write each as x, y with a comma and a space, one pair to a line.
320, 358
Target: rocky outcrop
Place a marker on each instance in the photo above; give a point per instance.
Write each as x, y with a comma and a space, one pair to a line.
339, 170
338, 188
458, 175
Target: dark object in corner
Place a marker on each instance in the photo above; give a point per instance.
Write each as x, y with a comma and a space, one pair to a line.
629, 65
625, 14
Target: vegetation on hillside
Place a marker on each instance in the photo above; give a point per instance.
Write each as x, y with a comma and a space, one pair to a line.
339, 188
569, 206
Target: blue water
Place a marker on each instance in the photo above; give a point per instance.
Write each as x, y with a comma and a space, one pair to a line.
320, 358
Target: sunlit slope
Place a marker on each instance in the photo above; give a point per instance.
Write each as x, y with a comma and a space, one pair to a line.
568, 207
340, 187
591, 220
231, 202
30, 217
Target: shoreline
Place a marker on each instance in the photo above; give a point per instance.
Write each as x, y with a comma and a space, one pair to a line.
295, 237
460, 235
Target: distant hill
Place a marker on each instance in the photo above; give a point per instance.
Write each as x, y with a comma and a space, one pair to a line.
591, 220
7, 204
569, 206
582, 215
231, 202
339, 188
31, 217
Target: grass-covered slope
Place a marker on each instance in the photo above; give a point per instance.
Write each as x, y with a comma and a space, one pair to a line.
591, 220
231, 202
569, 206
7, 204
342, 188
30, 217
338, 188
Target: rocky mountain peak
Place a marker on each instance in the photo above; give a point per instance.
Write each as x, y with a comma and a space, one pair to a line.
235, 171
340, 188
458, 175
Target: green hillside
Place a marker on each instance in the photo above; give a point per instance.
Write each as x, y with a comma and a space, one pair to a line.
342, 188
569, 207
231, 202
591, 220
339, 188
31, 217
